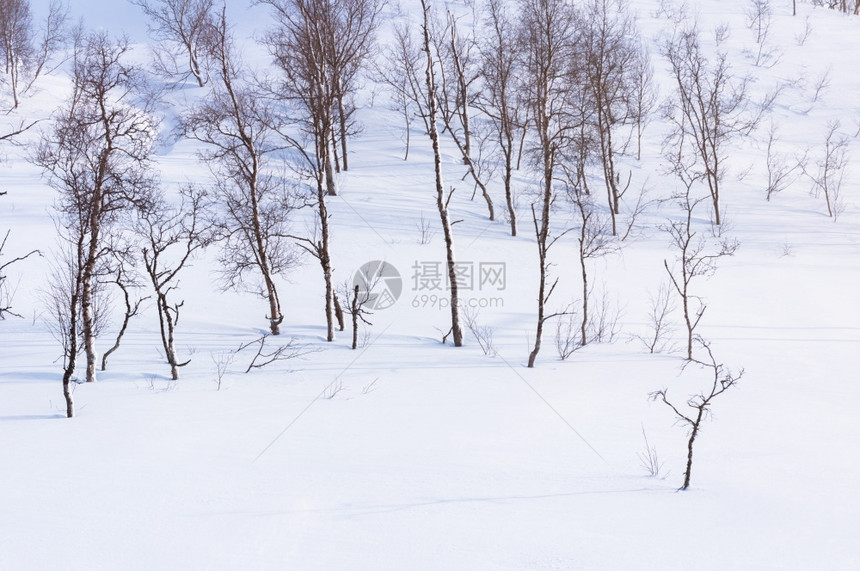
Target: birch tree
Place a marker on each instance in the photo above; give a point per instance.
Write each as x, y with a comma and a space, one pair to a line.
26, 49
615, 73
172, 235
549, 34
237, 125
442, 199
182, 33
98, 157
500, 99
707, 110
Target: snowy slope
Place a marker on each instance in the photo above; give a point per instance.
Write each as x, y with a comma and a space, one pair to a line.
410, 454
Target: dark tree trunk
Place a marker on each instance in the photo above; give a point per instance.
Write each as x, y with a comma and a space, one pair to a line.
87, 316
540, 317
356, 309
325, 262
542, 235
72, 355
338, 314
130, 311
694, 431
584, 339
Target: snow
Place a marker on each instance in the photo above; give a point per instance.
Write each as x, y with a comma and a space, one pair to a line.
410, 454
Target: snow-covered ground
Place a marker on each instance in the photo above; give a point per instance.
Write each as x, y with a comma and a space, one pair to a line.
411, 454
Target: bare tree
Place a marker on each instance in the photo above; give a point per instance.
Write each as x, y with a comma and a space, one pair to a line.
264, 357
124, 278
237, 124
567, 333
62, 298
317, 245
499, 99
401, 70
299, 44
695, 258
354, 40
27, 50
616, 74
595, 241
707, 110
6, 293
780, 172
661, 308
442, 200
759, 15
98, 157
482, 333
362, 293
172, 235
644, 98
457, 87
181, 30
700, 404
358, 298
322, 48
16, 24
319, 46
548, 33
827, 179
457, 76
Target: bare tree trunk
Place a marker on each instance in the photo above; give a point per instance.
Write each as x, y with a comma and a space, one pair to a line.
67, 392
608, 165
165, 320
338, 313
87, 312
715, 190
441, 202
72, 354
13, 80
541, 299
341, 112
356, 313
336, 158
542, 235
194, 66
408, 136
130, 311
694, 431
275, 316
325, 262
584, 328
462, 103
509, 198
331, 186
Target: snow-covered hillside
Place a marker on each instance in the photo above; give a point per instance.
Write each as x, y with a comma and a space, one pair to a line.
408, 453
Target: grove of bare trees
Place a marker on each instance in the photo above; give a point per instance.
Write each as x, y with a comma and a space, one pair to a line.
98, 157
534, 104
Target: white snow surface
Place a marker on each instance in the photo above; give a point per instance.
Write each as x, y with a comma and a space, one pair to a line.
411, 454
